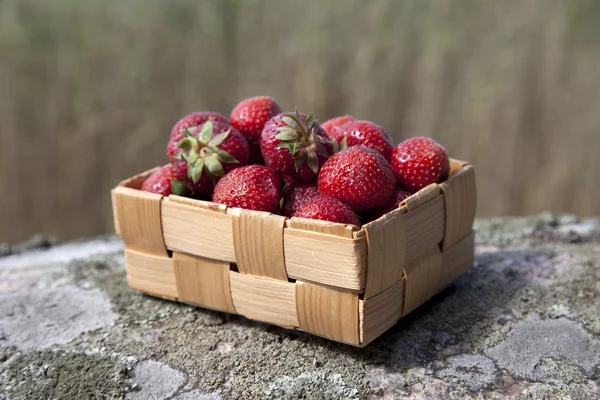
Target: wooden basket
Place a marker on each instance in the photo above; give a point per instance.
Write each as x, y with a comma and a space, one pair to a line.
332, 280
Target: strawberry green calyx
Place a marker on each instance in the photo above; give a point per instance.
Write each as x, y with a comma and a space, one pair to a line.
339, 146
300, 140
203, 155
179, 188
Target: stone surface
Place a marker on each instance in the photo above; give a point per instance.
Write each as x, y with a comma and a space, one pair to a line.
523, 323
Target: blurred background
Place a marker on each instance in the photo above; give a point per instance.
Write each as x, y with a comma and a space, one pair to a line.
89, 91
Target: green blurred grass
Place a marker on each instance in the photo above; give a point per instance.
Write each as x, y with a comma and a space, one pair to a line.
90, 89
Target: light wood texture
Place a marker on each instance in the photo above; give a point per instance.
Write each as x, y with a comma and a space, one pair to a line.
423, 196
258, 243
139, 219
135, 182
456, 166
151, 274
264, 299
424, 228
203, 282
381, 312
460, 195
386, 238
456, 260
198, 228
329, 228
328, 312
422, 279
327, 259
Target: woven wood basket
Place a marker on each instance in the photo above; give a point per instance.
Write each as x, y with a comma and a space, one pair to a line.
332, 280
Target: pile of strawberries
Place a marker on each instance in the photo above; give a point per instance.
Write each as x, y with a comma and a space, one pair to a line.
344, 170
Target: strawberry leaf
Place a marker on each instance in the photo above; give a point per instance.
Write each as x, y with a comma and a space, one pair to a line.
287, 135
292, 122
189, 132
224, 156
214, 167
179, 188
195, 170
336, 146
219, 138
187, 143
344, 144
206, 132
299, 160
313, 162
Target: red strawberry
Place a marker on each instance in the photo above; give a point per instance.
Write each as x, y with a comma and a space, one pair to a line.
331, 126
211, 150
367, 133
327, 208
420, 161
296, 194
249, 117
295, 144
359, 177
253, 187
189, 121
390, 205
167, 180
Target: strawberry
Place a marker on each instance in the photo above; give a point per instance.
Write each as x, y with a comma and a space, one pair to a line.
331, 126
390, 205
420, 161
167, 180
359, 177
253, 187
294, 144
189, 121
249, 117
296, 194
211, 150
367, 133
327, 208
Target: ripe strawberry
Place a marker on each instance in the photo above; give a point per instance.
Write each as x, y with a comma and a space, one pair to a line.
327, 208
331, 126
295, 144
296, 194
211, 150
367, 133
249, 117
359, 177
390, 205
253, 187
167, 180
189, 121
420, 161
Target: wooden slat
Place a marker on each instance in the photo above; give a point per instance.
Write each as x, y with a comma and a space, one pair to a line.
456, 260
258, 243
264, 299
193, 227
422, 279
151, 274
460, 194
203, 282
381, 312
327, 259
424, 228
328, 312
386, 239
326, 227
456, 166
423, 196
139, 219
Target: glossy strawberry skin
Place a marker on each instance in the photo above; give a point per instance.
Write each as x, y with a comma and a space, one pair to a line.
160, 181
327, 208
188, 121
392, 204
253, 187
296, 194
332, 125
235, 144
250, 116
420, 161
368, 134
281, 160
359, 177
